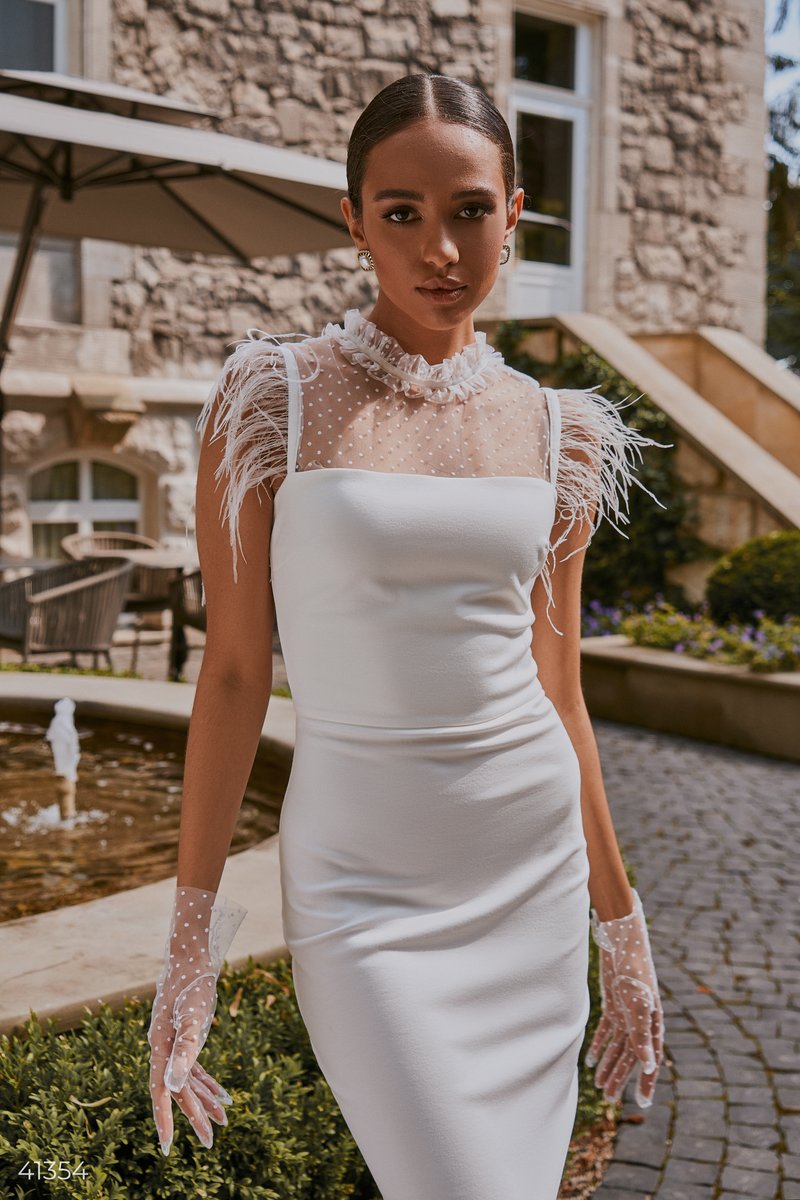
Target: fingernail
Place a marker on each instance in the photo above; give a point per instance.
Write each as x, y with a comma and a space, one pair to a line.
649, 1067
165, 1147
224, 1120
223, 1095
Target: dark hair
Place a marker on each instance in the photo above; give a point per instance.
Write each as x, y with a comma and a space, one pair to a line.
414, 98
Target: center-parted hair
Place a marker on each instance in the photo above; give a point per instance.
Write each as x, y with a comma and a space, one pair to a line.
417, 97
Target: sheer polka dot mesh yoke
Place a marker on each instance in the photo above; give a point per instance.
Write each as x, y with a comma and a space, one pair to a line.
632, 1020
353, 419
353, 399
202, 927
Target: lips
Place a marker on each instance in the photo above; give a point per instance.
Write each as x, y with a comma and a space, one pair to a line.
449, 285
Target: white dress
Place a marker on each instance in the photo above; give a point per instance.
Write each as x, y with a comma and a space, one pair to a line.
433, 862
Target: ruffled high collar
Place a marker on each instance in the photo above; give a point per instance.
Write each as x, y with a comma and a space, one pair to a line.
456, 378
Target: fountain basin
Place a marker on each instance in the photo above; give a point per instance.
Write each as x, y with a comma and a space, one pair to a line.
108, 949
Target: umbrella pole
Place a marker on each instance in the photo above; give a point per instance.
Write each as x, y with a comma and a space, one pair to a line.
29, 235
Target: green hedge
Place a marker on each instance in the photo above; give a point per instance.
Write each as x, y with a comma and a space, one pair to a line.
762, 575
656, 539
82, 1096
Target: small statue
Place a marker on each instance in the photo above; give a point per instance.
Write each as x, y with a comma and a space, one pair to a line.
63, 738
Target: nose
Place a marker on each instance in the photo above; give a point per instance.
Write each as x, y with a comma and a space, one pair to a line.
441, 250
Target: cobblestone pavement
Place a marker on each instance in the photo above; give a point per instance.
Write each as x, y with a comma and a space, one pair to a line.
712, 834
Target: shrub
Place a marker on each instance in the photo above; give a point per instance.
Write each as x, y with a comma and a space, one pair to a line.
763, 573
81, 1097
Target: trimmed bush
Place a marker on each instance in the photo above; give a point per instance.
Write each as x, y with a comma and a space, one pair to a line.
81, 1098
761, 574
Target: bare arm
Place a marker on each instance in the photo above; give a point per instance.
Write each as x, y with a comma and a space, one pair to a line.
559, 665
235, 681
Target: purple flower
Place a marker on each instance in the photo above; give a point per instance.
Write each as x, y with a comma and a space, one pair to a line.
679, 647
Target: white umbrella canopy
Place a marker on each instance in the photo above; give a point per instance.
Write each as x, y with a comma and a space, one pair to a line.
82, 158
101, 96
124, 179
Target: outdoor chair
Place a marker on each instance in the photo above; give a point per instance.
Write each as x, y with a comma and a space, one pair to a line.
187, 609
148, 589
73, 607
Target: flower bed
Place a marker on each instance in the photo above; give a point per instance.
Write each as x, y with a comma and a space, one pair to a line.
763, 645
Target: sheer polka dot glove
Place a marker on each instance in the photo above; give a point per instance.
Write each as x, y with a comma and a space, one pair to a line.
202, 927
632, 1015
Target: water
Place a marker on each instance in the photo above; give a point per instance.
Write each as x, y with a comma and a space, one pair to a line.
125, 832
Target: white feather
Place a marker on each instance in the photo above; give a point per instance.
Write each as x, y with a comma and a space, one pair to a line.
592, 425
253, 417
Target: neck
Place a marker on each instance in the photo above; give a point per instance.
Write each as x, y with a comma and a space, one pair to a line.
434, 344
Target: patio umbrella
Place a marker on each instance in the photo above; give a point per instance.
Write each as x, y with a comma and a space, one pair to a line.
80, 158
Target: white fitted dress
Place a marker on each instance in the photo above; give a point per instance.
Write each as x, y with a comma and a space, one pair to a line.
433, 862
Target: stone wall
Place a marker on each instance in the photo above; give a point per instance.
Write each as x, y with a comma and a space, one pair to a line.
685, 98
296, 75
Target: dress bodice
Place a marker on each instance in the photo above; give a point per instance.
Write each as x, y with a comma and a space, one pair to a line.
482, 460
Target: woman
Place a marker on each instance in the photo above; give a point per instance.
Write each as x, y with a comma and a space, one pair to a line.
445, 827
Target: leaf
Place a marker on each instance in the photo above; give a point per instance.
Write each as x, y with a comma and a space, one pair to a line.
234, 1005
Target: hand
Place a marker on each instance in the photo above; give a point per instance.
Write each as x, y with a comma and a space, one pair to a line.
202, 927
632, 1014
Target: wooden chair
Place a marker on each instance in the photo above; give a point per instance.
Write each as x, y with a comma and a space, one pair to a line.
73, 607
148, 589
187, 609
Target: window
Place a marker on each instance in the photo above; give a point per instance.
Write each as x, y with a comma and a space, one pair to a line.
544, 51
52, 290
83, 495
34, 36
549, 102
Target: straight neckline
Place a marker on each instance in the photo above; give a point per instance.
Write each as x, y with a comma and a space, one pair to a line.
412, 475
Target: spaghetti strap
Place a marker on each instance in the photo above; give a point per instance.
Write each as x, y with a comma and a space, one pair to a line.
295, 405
554, 413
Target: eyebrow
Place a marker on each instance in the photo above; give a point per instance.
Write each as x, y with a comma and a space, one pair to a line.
402, 193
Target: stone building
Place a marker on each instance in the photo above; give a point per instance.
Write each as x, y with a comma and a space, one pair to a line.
639, 127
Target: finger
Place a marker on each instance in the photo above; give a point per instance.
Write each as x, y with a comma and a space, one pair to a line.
194, 1011
212, 1083
637, 1002
162, 1106
610, 1059
192, 1108
645, 1087
184, 1054
658, 1030
604, 1029
623, 1068
211, 1103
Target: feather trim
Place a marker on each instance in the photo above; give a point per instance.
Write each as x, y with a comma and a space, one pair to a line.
253, 418
592, 425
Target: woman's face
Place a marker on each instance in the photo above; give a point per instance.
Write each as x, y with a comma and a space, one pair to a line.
415, 240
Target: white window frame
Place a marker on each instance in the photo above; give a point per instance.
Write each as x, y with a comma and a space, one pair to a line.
84, 511
542, 288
